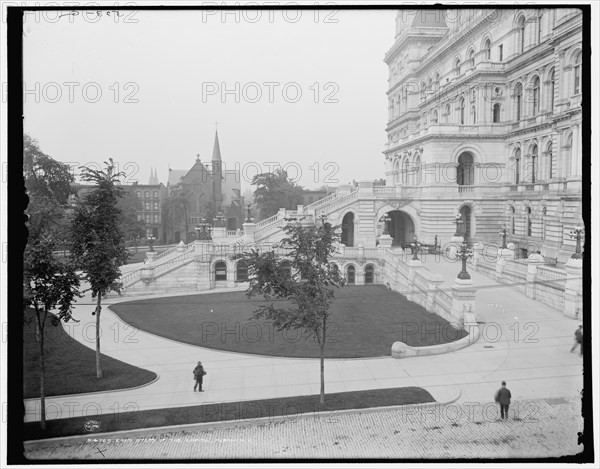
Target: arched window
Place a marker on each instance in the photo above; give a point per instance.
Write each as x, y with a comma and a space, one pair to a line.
539, 28
220, 271
446, 114
434, 119
423, 90
550, 161
496, 113
552, 88
241, 271
462, 110
417, 171
534, 163
536, 96
472, 58
396, 172
512, 220
521, 34
457, 67
405, 171
473, 115
518, 100
430, 84
437, 78
544, 212
528, 221
568, 155
350, 275
369, 274
517, 165
487, 49
577, 75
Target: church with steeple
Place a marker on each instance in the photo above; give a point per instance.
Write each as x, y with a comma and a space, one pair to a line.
206, 190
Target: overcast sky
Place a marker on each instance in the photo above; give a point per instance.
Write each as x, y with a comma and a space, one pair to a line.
164, 76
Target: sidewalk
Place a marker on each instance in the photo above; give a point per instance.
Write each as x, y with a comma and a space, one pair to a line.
523, 342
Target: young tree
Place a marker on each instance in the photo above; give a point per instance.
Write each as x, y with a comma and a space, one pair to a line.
98, 243
46, 284
275, 191
309, 287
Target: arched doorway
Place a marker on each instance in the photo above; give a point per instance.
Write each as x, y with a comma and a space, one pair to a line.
348, 229
465, 226
241, 271
402, 228
220, 271
465, 173
369, 274
350, 275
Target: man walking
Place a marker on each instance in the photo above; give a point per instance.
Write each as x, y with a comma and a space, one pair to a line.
502, 397
198, 375
578, 340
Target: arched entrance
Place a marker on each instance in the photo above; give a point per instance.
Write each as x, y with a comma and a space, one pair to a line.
348, 229
465, 226
402, 228
369, 274
465, 172
350, 275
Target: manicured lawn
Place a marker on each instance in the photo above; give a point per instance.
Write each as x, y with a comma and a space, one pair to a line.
71, 366
228, 411
366, 321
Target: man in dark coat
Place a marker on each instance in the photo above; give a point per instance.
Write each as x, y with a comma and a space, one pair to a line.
503, 398
198, 375
578, 339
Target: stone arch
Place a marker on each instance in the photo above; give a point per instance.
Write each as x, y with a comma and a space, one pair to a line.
369, 273
241, 271
350, 273
469, 209
219, 270
407, 210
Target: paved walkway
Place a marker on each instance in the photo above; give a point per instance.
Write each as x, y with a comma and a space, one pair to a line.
538, 428
523, 342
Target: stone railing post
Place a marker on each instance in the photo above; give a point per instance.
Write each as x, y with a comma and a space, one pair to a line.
435, 280
573, 300
533, 261
463, 299
249, 231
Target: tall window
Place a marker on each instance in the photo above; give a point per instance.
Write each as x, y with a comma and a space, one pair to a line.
496, 113
139, 194
518, 100
577, 74
536, 96
434, 119
446, 115
220, 271
473, 115
405, 171
462, 110
500, 53
521, 34
517, 165
487, 49
155, 194
528, 221
568, 156
155, 218
147, 205
550, 162
544, 212
146, 194
472, 58
552, 88
457, 67
512, 220
534, 163
242, 271
539, 28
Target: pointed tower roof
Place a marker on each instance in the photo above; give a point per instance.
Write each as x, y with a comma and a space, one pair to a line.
216, 156
153, 177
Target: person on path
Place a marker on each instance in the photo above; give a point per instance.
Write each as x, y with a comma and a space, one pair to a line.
502, 397
198, 375
578, 340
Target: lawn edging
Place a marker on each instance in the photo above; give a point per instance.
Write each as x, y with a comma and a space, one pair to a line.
451, 394
402, 350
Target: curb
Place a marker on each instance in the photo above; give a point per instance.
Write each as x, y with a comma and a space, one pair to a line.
30, 445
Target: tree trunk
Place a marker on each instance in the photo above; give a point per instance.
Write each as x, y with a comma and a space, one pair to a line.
323, 362
40, 338
98, 309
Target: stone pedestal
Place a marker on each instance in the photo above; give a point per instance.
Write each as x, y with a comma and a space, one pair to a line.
573, 289
533, 261
181, 246
500, 263
385, 241
463, 299
219, 232
150, 256
249, 231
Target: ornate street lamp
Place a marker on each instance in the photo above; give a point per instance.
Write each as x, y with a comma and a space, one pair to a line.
416, 247
577, 233
220, 219
386, 227
203, 230
249, 218
151, 243
464, 253
323, 219
503, 232
458, 220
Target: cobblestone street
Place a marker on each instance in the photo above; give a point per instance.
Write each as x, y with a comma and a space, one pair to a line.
536, 428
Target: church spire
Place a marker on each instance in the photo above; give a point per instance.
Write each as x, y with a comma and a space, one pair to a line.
153, 177
216, 156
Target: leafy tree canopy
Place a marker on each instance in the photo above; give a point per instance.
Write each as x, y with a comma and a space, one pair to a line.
275, 191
